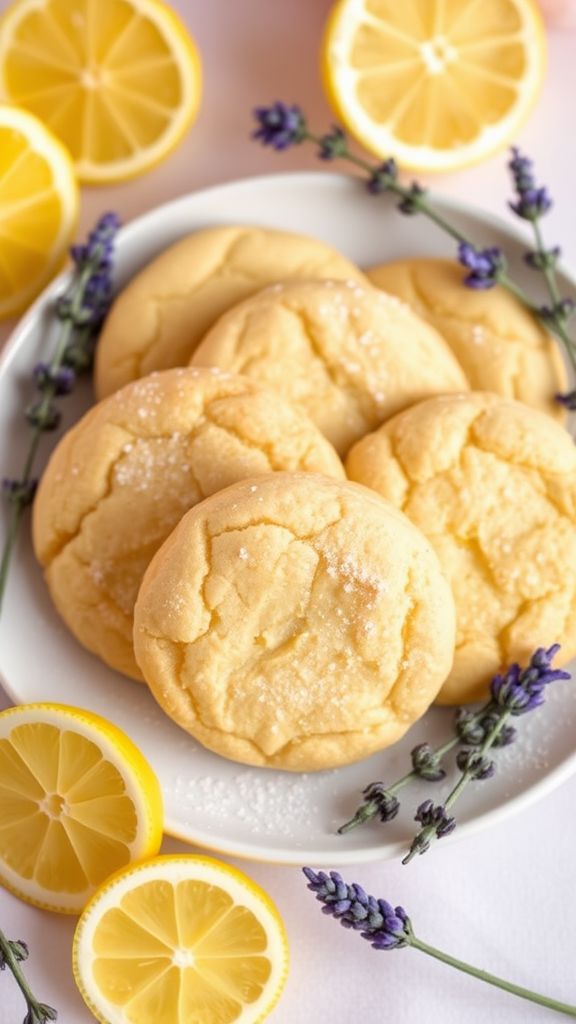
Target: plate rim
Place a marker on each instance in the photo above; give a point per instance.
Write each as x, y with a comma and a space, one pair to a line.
145, 222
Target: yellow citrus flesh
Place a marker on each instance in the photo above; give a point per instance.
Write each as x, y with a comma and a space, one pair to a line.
77, 802
118, 81
38, 207
437, 84
180, 940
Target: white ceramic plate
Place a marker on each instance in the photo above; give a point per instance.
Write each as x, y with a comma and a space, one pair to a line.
267, 815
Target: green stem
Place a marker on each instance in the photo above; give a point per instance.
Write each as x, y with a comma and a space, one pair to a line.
491, 979
557, 325
20, 979
549, 273
11, 535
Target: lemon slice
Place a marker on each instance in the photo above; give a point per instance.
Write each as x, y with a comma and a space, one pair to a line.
38, 207
180, 940
77, 801
118, 81
437, 84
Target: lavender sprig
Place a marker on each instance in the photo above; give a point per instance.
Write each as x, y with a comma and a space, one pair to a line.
517, 692
281, 126
380, 800
81, 310
531, 203
12, 953
386, 927
473, 728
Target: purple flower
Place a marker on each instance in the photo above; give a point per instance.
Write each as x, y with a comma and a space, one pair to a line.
522, 690
381, 924
61, 379
485, 265
94, 264
378, 803
434, 816
382, 177
279, 126
532, 201
435, 825
387, 804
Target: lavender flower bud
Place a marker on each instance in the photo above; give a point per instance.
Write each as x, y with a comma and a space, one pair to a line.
333, 144
522, 690
479, 768
485, 265
279, 125
384, 926
387, 804
532, 203
61, 380
431, 816
532, 200
426, 763
382, 177
43, 415
412, 202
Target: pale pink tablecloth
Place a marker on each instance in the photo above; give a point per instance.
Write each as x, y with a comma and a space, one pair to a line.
506, 899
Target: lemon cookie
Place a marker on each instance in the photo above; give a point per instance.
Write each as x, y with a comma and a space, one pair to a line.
122, 478
158, 319
348, 354
296, 622
499, 344
492, 484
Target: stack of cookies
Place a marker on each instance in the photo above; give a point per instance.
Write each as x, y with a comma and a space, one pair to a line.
311, 501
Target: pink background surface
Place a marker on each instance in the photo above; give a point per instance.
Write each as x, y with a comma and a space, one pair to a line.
505, 900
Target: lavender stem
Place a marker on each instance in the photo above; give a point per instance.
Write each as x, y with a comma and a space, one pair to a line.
427, 834
37, 1012
491, 979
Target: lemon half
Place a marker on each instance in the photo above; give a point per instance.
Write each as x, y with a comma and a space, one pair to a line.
77, 801
118, 81
180, 940
38, 207
437, 84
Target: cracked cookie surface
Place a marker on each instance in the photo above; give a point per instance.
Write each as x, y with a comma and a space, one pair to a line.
122, 478
346, 353
500, 346
161, 315
492, 484
296, 622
